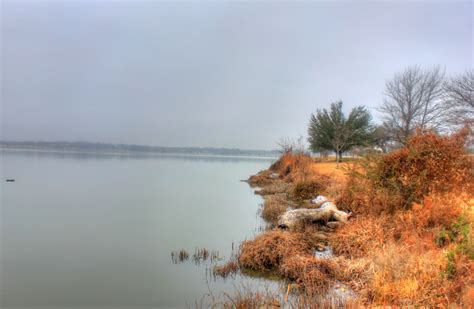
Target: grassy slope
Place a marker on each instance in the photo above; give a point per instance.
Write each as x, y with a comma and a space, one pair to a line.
420, 255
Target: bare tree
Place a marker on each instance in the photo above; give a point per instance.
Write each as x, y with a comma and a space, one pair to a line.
289, 145
459, 92
414, 100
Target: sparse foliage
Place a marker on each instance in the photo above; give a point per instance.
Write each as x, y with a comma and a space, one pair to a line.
414, 100
288, 145
459, 92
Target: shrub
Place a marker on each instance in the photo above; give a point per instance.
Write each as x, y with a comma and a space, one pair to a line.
436, 210
428, 163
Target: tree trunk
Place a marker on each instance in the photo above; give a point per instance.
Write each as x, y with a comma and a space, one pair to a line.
338, 157
326, 212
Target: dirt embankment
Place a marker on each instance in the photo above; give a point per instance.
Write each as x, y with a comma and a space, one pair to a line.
408, 240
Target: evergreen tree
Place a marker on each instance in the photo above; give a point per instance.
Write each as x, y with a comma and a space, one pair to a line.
331, 130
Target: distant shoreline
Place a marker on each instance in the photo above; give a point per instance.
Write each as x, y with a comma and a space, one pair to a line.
137, 153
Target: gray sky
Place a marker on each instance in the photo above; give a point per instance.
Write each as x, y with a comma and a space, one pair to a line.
201, 73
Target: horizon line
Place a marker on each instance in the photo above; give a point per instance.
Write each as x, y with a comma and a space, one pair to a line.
131, 144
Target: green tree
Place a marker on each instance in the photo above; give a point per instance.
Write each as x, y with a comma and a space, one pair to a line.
331, 130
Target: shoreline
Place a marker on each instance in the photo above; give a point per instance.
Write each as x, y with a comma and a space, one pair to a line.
279, 196
389, 252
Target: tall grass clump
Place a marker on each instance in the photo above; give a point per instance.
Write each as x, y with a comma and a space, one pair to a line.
267, 251
291, 167
289, 255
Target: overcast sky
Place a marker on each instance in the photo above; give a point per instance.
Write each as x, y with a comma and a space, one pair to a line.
202, 73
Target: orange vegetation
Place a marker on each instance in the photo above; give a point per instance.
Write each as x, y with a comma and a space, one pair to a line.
409, 241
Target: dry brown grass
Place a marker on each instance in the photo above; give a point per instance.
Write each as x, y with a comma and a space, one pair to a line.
359, 237
247, 299
406, 277
273, 207
275, 187
229, 268
330, 169
357, 273
461, 287
289, 255
315, 275
309, 188
268, 250
261, 179
290, 165
406, 243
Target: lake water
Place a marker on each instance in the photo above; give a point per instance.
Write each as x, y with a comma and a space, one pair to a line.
97, 231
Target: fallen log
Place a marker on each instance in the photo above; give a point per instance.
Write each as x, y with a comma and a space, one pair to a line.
327, 211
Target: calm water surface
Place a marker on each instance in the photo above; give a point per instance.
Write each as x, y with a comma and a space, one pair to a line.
97, 231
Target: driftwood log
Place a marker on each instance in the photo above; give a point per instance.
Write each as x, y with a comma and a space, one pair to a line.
327, 211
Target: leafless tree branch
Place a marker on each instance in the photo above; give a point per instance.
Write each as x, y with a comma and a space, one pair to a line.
414, 100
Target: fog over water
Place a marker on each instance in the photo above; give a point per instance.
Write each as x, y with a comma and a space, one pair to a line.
209, 73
